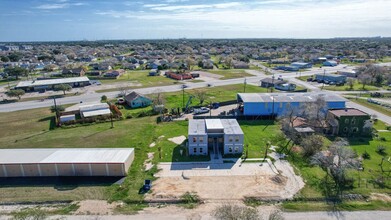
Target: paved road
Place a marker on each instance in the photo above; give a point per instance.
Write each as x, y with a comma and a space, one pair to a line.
92, 96
361, 215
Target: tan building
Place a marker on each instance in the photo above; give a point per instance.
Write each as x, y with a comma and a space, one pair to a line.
65, 162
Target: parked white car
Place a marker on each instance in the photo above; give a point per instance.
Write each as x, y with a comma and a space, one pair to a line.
201, 110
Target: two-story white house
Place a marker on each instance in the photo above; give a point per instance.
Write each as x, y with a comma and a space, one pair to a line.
218, 136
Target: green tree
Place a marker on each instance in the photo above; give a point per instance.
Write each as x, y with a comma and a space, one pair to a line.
16, 93
4, 59
16, 71
63, 87
15, 57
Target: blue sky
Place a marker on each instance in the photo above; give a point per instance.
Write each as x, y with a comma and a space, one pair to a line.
54, 20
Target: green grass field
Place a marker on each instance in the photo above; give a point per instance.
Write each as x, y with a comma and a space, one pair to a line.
373, 106
33, 129
230, 73
141, 77
357, 86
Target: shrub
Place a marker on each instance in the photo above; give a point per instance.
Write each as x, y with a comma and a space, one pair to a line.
190, 199
235, 212
366, 155
381, 149
60, 108
103, 98
382, 139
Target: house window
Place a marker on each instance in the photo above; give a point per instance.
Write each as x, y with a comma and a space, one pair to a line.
230, 149
353, 121
346, 121
201, 150
195, 150
355, 130
194, 139
236, 149
133, 103
345, 129
201, 139
237, 138
230, 138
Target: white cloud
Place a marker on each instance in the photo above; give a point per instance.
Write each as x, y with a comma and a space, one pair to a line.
154, 5
161, 7
348, 18
59, 6
52, 6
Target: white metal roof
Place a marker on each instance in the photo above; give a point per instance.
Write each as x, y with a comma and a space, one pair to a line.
65, 155
93, 107
96, 113
213, 124
46, 82
289, 97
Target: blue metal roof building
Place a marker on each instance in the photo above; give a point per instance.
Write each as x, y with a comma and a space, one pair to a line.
262, 104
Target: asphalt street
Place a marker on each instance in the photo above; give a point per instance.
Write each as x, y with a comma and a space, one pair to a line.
92, 96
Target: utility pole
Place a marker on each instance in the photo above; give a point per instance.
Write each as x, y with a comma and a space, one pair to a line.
271, 87
245, 83
111, 120
183, 96
324, 74
55, 104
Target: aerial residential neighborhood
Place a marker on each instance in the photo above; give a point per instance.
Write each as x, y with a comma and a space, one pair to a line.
195, 110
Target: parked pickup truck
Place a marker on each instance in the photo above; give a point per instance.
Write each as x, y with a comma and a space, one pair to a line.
201, 110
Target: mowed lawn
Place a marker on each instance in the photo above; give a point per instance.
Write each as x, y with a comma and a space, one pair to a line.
213, 94
230, 73
141, 77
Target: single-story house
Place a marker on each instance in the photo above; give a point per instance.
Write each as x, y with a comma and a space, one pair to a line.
154, 72
240, 65
73, 72
330, 63
349, 122
348, 73
215, 136
136, 100
288, 68
301, 65
285, 86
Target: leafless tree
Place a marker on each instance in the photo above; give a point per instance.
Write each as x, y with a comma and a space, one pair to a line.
336, 161
350, 82
311, 145
123, 90
364, 79
201, 95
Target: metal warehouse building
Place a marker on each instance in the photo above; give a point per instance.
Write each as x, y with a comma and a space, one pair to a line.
45, 84
65, 162
264, 104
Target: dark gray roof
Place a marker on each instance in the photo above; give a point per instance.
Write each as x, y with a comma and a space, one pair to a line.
132, 96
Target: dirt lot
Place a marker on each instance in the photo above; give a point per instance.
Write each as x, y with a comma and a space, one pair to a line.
224, 181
